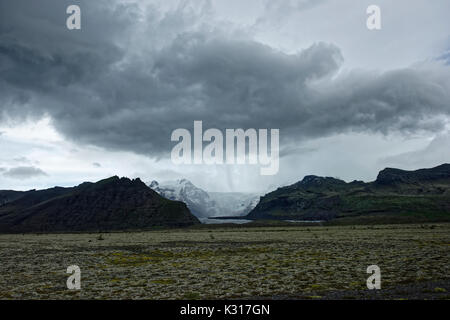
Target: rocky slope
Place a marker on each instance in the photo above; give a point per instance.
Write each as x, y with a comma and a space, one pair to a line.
110, 204
9, 195
197, 200
395, 196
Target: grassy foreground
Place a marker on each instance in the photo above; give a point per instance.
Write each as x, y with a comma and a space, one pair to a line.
220, 263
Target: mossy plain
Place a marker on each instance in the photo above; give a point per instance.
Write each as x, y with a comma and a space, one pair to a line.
226, 263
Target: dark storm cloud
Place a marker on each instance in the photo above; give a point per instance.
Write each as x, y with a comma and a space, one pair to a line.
130, 77
24, 173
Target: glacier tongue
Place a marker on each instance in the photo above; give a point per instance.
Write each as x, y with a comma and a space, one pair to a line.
205, 204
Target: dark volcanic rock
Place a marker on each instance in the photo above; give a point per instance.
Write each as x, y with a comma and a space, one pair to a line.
108, 205
9, 195
316, 181
391, 176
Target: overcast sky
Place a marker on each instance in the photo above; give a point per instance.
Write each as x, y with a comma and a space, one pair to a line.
82, 105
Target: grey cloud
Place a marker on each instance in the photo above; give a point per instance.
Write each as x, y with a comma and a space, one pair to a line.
406, 100
129, 91
96, 165
277, 12
23, 160
445, 57
24, 173
295, 150
435, 153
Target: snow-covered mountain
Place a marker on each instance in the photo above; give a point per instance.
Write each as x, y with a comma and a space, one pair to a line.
197, 200
205, 204
234, 203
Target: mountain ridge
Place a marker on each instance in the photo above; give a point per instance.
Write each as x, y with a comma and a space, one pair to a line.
396, 195
112, 204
